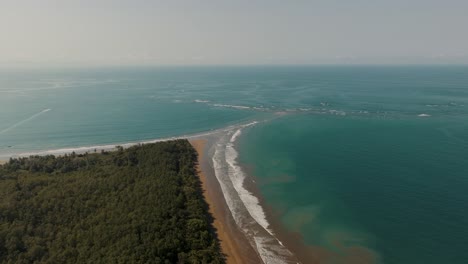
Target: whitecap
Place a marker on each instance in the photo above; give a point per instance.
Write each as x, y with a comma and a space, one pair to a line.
201, 101
337, 112
232, 106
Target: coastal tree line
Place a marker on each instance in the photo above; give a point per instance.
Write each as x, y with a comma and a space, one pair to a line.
143, 204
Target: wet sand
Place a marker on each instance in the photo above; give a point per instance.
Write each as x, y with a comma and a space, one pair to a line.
234, 244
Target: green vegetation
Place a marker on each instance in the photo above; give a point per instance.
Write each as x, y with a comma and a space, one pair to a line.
138, 205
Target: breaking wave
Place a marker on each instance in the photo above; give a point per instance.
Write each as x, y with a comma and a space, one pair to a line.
243, 204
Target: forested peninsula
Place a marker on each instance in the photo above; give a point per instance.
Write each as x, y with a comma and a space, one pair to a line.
143, 204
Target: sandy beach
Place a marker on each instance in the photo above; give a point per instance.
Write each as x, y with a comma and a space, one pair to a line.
234, 244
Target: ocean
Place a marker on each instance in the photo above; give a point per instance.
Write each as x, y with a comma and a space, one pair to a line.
367, 164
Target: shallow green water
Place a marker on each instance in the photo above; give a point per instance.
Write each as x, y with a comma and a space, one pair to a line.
396, 186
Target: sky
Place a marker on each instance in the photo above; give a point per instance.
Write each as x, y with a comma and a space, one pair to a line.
217, 32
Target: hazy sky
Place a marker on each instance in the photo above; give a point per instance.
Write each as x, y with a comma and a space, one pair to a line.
96, 32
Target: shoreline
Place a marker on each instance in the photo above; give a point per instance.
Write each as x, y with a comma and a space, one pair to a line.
243, 208
113, 146
247, 228
294, 241
234, 245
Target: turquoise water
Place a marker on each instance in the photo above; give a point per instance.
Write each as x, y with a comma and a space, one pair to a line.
395, 186
106, 106
375, 157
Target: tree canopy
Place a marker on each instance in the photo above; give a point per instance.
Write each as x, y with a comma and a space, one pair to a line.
143, 204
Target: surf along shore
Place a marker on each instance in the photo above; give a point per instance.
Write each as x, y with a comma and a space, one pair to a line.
238, 217
245, 230
234, 244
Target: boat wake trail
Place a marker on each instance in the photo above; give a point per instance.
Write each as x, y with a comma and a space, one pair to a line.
24, 121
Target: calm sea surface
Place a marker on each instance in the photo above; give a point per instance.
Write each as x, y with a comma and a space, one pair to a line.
375, 157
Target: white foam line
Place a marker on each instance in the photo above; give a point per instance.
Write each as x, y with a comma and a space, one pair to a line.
201, 101
232, 182
84, 149
424, 115
233, 187
238, 177
24, 121
232, 106
240, 107
255, 210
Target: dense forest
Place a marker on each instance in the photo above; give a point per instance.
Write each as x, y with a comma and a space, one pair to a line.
143, 204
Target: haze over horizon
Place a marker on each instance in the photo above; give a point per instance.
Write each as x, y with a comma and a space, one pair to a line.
124, 32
